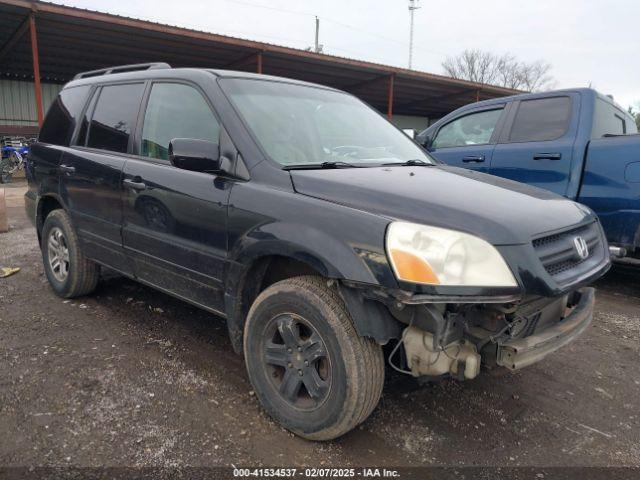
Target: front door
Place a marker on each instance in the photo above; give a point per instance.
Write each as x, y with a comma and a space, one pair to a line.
175, 221
91, 171
536, 147
468, 141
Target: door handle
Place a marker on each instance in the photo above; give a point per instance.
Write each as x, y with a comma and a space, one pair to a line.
547, 156
135, 183
69, 170
473, 159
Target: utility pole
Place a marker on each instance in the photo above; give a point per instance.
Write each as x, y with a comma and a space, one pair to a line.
318, 47
413, 6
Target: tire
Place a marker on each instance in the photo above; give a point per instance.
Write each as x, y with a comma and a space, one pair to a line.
5, 177
76, 275
336, 391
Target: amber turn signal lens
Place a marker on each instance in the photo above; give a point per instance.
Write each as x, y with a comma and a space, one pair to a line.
411, 268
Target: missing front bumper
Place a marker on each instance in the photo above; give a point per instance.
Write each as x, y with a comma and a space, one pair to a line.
518, 353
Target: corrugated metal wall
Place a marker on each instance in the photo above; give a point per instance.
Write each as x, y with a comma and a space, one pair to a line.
410, 121
18, 104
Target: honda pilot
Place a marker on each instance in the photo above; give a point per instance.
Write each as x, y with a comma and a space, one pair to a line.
316, 228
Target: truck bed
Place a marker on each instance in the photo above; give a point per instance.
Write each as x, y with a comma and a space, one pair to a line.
611, 186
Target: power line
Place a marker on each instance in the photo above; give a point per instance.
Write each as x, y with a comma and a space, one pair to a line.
337, 22
267, 7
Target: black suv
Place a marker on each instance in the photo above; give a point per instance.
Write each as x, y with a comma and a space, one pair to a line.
314, 226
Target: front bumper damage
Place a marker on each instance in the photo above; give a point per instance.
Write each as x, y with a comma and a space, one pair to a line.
522, 352
453, 339
565, 319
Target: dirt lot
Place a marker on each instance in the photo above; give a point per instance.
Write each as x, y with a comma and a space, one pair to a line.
130, 376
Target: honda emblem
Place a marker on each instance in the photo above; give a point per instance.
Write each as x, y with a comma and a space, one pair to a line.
582, 249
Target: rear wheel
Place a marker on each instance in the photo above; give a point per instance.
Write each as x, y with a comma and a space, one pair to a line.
311, 370
69, 272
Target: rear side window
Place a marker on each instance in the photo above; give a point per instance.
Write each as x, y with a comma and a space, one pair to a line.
176, 110
473, 129
620, 124
541, 119
114, 117
63, 114
609, 120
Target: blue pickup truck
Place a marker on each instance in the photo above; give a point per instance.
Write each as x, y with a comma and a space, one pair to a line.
577, 143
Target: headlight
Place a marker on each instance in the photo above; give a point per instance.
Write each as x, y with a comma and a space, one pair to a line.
438, 256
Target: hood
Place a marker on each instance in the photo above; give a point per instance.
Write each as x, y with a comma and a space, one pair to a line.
501, 211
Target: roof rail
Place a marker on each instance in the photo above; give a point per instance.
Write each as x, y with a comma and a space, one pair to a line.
122, 69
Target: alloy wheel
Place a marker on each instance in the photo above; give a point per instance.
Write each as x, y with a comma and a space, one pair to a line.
297, 361
58, 253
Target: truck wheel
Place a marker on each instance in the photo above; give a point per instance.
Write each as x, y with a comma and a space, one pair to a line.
69, 272
310, 369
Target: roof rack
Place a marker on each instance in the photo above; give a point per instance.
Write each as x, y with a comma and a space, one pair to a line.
122, 69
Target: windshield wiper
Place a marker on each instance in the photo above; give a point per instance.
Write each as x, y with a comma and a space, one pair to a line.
411, 163
309, 166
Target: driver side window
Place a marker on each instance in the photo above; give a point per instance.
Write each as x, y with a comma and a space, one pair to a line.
472, 129
175, 110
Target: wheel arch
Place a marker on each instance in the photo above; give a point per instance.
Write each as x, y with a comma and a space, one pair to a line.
371, 318
245, 281
46, 204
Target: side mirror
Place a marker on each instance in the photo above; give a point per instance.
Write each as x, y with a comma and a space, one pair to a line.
423, 139
194, 155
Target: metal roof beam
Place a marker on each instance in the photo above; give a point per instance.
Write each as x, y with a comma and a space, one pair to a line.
137, 39
252, 58
15, 37
367, 83
96, 49
438, 98
37, 87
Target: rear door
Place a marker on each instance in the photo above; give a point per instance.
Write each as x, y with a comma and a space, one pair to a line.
54, 139
468, 140
175, 221
91, 171
536, 146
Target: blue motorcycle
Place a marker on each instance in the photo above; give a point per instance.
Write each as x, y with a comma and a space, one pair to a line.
13, 157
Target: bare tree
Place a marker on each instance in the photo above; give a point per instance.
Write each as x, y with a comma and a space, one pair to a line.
535, 76
635, 113
504, 70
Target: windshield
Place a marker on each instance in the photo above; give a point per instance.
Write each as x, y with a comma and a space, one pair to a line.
301, 125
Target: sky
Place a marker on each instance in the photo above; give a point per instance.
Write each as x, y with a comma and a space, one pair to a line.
588, 42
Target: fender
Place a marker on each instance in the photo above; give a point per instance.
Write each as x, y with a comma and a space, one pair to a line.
332, 257
313, 247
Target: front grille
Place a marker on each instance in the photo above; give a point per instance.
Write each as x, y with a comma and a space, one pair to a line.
559, 256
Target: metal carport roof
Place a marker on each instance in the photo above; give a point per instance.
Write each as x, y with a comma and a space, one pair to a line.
70, 40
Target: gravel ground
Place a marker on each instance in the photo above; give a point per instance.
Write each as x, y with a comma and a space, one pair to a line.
132, 377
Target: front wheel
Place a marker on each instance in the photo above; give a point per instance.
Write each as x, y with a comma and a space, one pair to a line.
310, 369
